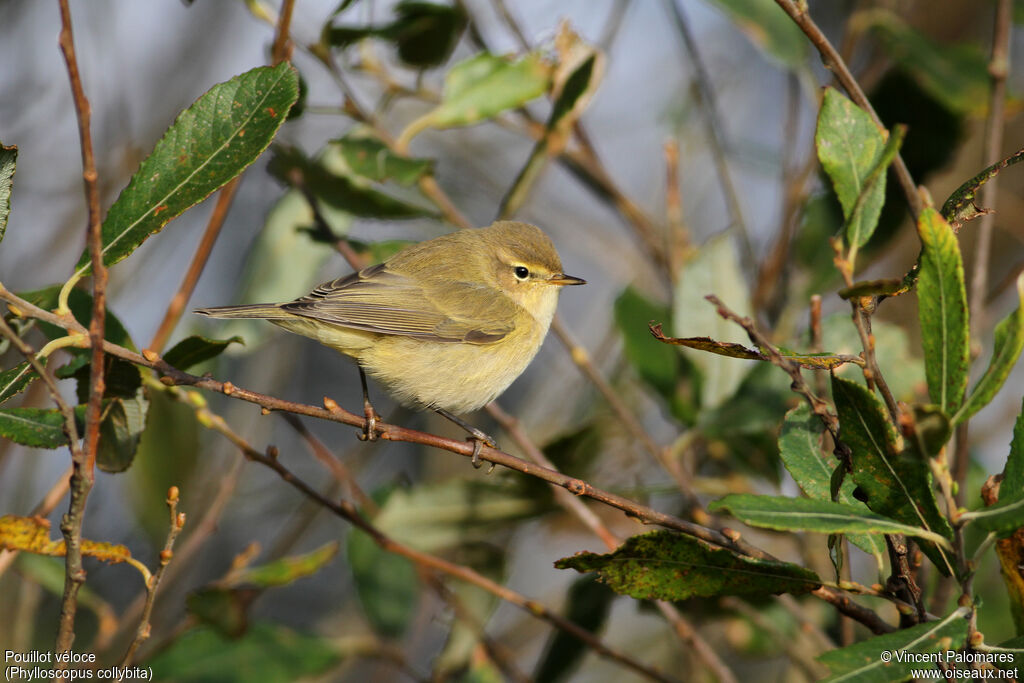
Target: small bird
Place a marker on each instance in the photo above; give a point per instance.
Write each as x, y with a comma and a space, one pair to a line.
445, 324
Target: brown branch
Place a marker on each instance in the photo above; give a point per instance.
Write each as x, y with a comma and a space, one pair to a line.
188, 285
177, 522
347, 511
282, 50
83, 476
797, 11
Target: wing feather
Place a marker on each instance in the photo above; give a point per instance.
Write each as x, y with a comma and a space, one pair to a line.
379, 300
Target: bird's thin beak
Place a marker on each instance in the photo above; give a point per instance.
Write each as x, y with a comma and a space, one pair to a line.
563, 279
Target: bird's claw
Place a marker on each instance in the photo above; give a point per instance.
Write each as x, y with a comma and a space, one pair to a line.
369, 432
480, 440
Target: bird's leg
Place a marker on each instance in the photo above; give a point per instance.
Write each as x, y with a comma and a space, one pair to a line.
370, 428
479, 438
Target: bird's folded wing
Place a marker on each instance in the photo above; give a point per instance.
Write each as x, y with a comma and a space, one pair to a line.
379, 300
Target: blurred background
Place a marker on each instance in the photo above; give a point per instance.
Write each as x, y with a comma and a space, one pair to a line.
763, 247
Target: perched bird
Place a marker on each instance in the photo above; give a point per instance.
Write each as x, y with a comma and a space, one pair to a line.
445, 324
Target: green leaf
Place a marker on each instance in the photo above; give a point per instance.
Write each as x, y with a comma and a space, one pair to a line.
955, 75
269, 653
482, 87
942, 309
655, 363
1013, 472
587, 605
800, 451
894, 486
1009, 340
14, 381
209, 143
820, 516
850, 146
8, 162
714, 270
576, 78
386, 583
330, 181
423, 32
366, 156
440, 516
35, 427
123, 422
286, 570
664, 565
768, 28
196, 349
863, 661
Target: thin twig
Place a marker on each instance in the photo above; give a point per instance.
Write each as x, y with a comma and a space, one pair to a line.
797, 10
282, 50
716, 137
84, 464
194, 541
177, 522
999, 71
195, 269
348, 512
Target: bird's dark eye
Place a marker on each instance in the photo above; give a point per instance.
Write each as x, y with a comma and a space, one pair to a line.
522, 272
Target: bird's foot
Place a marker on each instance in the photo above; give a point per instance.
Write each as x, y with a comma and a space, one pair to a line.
369, 432
480, 439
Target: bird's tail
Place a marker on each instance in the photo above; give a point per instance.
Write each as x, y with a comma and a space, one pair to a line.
265, 311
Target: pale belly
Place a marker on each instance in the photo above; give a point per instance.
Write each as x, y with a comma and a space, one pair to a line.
457, 377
